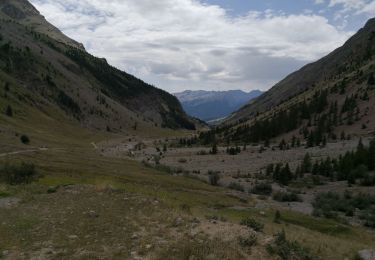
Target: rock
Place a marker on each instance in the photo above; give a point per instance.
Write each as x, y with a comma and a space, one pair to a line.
5, 252
148, 246
367, 254
178, 222
93, 214
134, 236
73, 237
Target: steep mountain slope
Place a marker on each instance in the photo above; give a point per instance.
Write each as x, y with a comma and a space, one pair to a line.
210, 105
42, 68
331, 97
353, 55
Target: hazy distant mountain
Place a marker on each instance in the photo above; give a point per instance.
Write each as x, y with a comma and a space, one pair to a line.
210, 105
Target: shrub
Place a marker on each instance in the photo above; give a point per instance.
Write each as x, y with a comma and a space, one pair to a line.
182, 160
25, 139
213, 178
236, 186
9, 111
286, 196
253, 224
277, 217
324, 204
202, 152
248, 241
18, 174
262, 189
368, 216
288, 249
329, 204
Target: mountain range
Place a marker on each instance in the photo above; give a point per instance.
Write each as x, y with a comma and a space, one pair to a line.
211, 105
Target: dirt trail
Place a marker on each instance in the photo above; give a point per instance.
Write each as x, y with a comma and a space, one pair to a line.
23, 152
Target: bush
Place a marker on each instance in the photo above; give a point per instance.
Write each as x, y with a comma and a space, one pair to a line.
253, 224
330, 204
248, 241
236, 186
277, 217
286, 196
9, 111
288, 249
368, 216
202, 152
182, 160
18, 174
213, 178
262, 189
25, 139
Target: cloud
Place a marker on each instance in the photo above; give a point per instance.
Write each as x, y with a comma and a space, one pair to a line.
318, 2
359, 6
178, 44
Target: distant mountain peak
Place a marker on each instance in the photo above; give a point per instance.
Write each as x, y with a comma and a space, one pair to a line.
210, 105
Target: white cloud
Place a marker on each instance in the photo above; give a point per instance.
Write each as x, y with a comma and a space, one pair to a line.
359, 6
178, 44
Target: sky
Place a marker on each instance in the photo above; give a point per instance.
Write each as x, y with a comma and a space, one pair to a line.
181, 45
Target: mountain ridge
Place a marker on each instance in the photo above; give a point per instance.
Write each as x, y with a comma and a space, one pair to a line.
51, 69
331, 98
212, 105
321, 71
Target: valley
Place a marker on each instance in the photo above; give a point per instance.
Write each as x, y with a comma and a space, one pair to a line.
98, 164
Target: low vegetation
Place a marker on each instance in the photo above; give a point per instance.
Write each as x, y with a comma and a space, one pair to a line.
332, 205
15, 174
262, 189
286, 196
236, 186
252, 223
288, 250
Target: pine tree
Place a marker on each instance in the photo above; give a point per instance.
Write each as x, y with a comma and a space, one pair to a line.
277, 217
371, 80
214, 149
306, 164
282, 144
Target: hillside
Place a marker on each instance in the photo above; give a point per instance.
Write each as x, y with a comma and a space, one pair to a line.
42, 68
211, 105
325, 99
